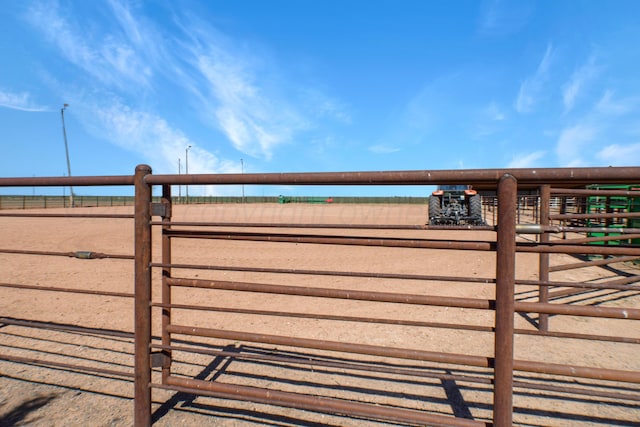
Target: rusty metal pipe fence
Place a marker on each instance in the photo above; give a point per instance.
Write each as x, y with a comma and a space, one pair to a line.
558, 225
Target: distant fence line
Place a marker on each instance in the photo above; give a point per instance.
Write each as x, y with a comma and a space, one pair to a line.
46, 202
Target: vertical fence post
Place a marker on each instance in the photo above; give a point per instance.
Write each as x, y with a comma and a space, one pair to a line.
166, 274
505, 283
543, 272
142, 308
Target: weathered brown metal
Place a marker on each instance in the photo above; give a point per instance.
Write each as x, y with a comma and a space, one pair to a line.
69, 215
343, 318
142, 310
300, 271
372, 350
505, 285
480, 178
66, 181
591, 192
543, 267
577, 371
592, 263
595, 215
166, 274
475, 303
315, 403
334, 240
69, 290
70, 366
578, 310
72, 254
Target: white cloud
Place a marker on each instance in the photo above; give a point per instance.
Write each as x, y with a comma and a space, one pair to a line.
111, 60
495, 113
383, 149
499, 17
572, 142
531, 88
576, 84
20, 101
608, 105
620, 155
527, 161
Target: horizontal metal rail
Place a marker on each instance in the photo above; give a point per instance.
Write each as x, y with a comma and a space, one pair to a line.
411, 354
473, 303
593, 263
578, 310
592, 192
313, 403
68, 366
361, 319
66, 181
368, 349
324, 273
399, 322
71, 254
66, 215
67, 290
595, 215
64, 327
573, 177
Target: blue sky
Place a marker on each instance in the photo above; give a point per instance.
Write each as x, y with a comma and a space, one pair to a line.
291, 86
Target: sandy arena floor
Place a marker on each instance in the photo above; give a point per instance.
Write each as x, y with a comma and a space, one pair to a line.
65, 396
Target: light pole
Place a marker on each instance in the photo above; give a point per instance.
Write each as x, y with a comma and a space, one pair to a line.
186, 167
179, 186
66, 149
242, 172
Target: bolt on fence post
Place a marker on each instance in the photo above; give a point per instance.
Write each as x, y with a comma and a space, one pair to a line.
505, 283
142, 305
543, 272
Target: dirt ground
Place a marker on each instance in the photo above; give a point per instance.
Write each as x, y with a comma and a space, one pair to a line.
65, 395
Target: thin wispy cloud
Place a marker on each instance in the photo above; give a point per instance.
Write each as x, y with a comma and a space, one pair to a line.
532, 87
572, 142
20, 101
527, 160
236, 90
499, 17
580, 78
609, 105
620, 155
383, 149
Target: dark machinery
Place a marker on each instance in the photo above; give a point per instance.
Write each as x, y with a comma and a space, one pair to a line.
455, 205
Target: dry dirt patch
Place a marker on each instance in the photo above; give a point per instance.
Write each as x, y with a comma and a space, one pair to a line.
64, 396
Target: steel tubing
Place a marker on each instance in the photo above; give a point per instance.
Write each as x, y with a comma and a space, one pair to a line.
578, 310
70, 215
64, 327
399, 322
592, 263
327, 273
69, 290
591, 192
317, 362
315, 403
69, 366
372, 350
598, 239
76, 254
474, 303
166, 274
142, 309
335, 240
66, 181
543, 263
488, 177
504, 306
577, 371
556, 247
595, 215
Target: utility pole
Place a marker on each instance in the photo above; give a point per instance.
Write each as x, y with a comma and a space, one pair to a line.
242, 172
179, 186
186, 166
66, 149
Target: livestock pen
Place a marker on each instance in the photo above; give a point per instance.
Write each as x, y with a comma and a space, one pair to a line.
368, 315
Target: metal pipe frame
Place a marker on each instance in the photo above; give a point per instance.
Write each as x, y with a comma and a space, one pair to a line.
508, 183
